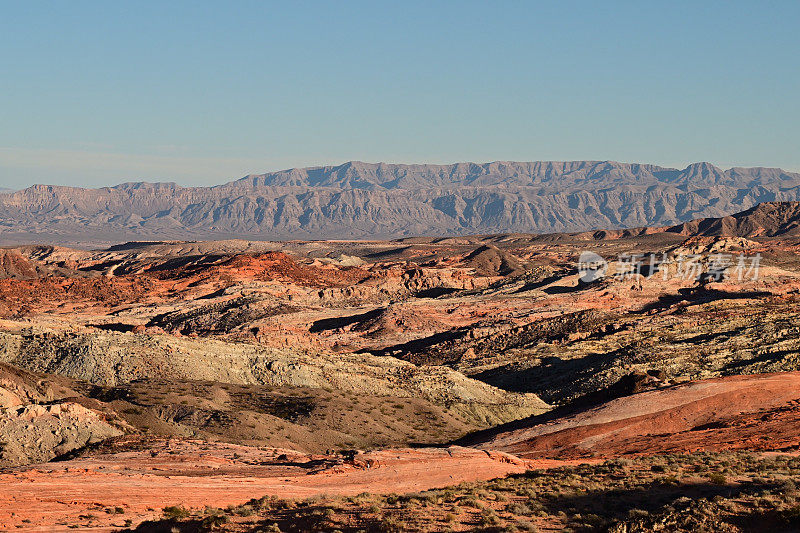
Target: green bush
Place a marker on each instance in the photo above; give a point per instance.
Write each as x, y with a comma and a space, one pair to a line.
175, 512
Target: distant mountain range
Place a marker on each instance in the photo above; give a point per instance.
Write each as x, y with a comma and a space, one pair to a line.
363, 201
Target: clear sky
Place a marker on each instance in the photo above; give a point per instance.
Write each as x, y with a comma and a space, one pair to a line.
98, 93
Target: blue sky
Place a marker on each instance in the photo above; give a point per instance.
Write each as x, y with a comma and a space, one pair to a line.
98, 93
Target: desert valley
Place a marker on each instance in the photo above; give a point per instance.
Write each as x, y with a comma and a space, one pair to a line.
452, 383
388, 267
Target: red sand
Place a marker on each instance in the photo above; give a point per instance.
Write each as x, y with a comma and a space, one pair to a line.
195, 474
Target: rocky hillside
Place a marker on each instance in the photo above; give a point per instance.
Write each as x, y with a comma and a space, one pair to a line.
718, 414
112, 359
770, 219
360, 200
40, 419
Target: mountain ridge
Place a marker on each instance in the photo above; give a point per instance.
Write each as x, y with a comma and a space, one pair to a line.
380, 200
768, 219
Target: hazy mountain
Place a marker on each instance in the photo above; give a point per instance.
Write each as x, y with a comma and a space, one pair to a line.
362, 200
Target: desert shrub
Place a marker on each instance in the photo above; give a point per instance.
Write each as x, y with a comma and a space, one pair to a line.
717, 478
472, 502
175, 512
525, 525
788, 487
489, 518
244, 510
519, 509
212, 521
391, 524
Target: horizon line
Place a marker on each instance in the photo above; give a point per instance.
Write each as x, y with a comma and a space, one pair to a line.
332, 166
